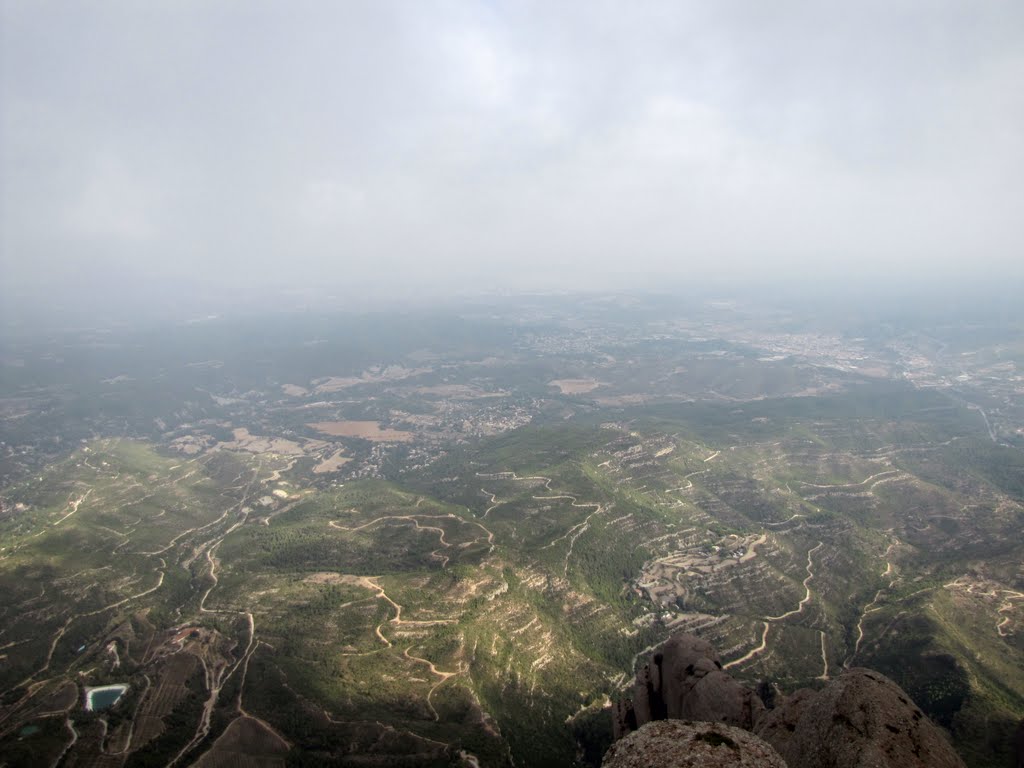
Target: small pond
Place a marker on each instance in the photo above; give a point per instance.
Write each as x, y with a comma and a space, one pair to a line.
103, 697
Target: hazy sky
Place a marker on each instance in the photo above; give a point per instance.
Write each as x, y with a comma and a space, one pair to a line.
353, 144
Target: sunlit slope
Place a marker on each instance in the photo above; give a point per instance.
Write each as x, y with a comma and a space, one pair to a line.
800, 537
918, 570
379, 604
102, 533
488, 606
102, 554
367, 619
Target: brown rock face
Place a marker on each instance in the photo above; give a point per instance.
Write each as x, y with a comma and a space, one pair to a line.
716, 697
861, 720
681, 744
623, 718
778, 725
684, 680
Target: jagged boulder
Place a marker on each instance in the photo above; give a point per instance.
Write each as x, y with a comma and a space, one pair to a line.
860, 720
716, 697
778, 724
623, 718
682, 744
684, 680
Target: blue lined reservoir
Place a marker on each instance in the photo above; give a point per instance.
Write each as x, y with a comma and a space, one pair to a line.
103, 697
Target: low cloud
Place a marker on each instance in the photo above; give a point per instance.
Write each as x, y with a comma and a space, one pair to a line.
478, 145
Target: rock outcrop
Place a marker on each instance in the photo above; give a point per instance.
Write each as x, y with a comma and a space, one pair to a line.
684, 681
859, 720
680, 744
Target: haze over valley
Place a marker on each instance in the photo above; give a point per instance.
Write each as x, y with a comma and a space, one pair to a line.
445, 537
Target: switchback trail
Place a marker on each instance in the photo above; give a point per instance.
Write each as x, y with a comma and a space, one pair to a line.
434, 671
751, 654
370, 582
807, 586
414, 519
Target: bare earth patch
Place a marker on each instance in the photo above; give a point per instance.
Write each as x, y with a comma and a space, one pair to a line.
458, 392
373, 375
294, 390
254, 444
330, 577
332, 463
190, 445
575, 386
368, 430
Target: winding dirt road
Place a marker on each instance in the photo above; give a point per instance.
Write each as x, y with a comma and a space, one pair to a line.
807, 586
751, 654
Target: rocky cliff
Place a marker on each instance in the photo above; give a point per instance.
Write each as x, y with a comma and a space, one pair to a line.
859, 720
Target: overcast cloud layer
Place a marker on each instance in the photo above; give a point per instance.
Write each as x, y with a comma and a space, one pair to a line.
531, 145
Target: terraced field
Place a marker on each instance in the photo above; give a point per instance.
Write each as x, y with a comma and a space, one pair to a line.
473, 583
